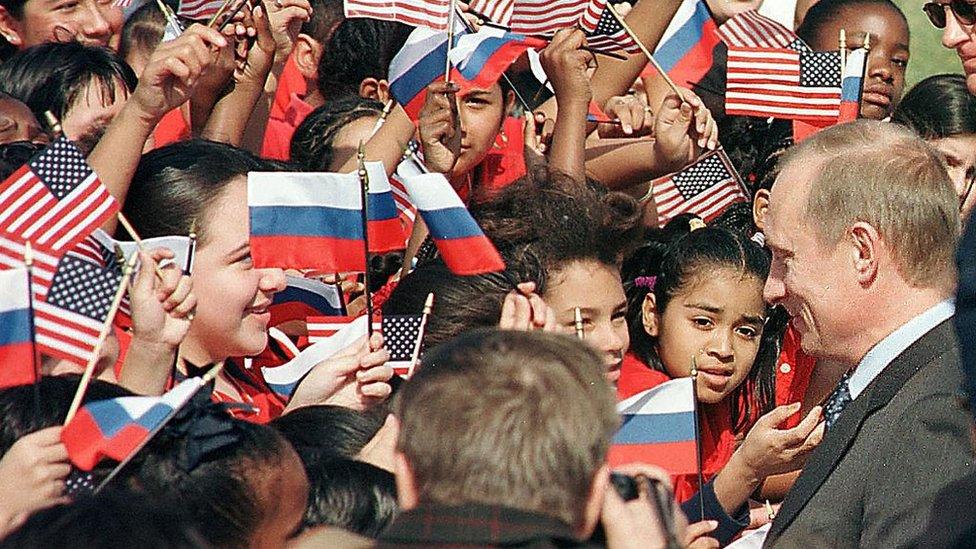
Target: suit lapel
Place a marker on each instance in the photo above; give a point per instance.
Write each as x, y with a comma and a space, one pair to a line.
840, 437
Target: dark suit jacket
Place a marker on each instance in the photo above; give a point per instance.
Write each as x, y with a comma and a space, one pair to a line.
874, 477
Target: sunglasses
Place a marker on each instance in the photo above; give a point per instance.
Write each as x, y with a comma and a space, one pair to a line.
963, 10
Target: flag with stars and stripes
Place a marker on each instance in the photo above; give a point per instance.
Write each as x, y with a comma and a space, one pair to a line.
71, 316
793, 82
401, 332
704, 188
55, 200
545, 17
609, 35
498, 12
433, 14
751, 30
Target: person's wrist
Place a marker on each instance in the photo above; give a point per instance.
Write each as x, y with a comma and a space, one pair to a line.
149, 344
747, 472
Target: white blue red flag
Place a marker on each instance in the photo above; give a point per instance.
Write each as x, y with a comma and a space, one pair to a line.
851, 85
658, 428
482, 57
117, 428
685, 51
17, 355
314, 220
55, 200
418, 64
462, 245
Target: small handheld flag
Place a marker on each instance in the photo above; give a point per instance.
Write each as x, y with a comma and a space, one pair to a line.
463, 246
482, 57
305, 297
313, 220
17, 358
704, 188
851, 85
401, 333
659, 428
119, 427
432, 14
685, 51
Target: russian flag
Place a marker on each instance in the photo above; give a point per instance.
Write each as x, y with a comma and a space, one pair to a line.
285, 378
463, 246
314, 220
851, 84
17, 364
417, 65
659, 428
304, 297
117, 428
685, 49
482, 57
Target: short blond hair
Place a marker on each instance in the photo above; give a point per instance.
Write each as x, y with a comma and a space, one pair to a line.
515, 419
884, 175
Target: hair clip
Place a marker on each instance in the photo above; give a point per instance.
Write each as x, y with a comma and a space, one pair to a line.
695, 223
646, 282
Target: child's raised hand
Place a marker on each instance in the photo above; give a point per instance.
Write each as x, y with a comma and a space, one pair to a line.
565, 63
174, 69
162, 309
683, 128
525, 310
357, 377
440, 127
287, 18
768, 450
633, 113
32, 476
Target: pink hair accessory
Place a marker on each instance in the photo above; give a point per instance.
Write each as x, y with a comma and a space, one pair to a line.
645, 282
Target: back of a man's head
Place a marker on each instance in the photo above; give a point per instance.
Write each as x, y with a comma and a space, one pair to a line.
886, 176
515, 419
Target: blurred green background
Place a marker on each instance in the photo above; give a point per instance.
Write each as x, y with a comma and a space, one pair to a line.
928, 55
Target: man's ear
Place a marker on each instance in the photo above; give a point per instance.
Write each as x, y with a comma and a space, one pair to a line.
760, 204
308, 51
406, 482
10, 28
649, 316
865, 251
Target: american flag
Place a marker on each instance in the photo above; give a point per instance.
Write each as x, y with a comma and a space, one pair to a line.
70, 318
199, 10
323, 327
609, 35
548, 16
791, 82
751, 30
401, 332
45, 263
704, 188
55, 200
416, 13
497, 11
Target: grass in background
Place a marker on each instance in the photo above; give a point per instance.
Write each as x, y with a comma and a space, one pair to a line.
928, 55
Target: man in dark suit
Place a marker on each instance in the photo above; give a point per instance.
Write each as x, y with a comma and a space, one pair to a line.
863, 223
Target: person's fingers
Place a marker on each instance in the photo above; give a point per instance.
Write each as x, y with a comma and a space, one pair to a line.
778, 415
377, 391
58, 471
143, 280
634, 469
376, 342
52, 453
374, 375
354, 349
704, 543
523, 312
179, 288
815, 437
507, 319
160, 254
374, 358
529, 136
806, 425
539, 309
45, 437
550, 322
176, 68
699, 529
526, 288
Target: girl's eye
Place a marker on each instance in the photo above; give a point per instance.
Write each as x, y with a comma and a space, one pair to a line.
748, 332
702, 322
900, 62
68, 6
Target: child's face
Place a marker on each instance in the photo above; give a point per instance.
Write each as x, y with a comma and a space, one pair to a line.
482, 112
718, 320
884, 80
232, 296
597, 290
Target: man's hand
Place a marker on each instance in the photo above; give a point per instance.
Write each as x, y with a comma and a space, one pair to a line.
636, 524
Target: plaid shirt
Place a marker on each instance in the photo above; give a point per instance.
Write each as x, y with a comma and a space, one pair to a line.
475, 525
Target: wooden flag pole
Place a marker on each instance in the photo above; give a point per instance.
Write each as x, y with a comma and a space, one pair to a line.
578, 323
135, 237
106, 328
698, 447
364, 194
415, 357
383, 116
451, 18
35, 363
646, 51
843, 52
220, 11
